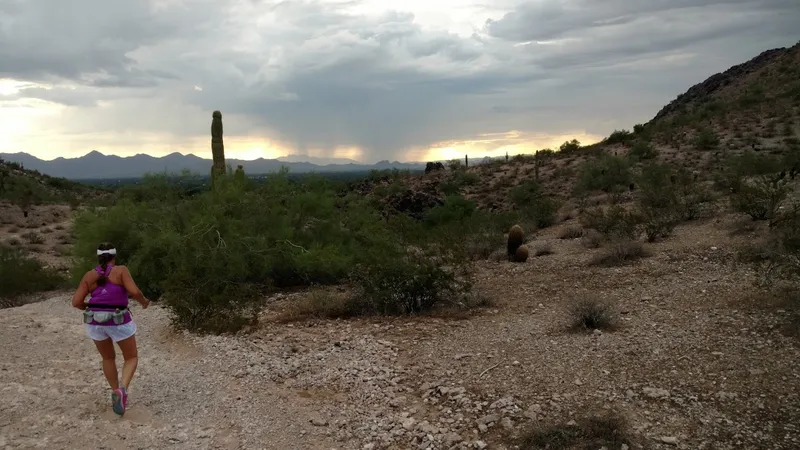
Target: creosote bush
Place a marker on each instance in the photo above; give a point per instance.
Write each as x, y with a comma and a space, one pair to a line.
761, 197
614, 222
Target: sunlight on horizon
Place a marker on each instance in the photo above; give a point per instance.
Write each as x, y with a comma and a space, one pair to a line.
248, 149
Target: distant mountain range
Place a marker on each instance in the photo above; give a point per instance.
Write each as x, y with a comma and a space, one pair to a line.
96, 165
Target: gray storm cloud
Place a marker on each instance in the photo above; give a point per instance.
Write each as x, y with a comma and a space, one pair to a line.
313, 74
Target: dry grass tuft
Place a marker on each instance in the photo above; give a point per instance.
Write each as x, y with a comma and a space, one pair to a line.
571, 232
543, 249
592, 239
588, 314
619, 253
610, 431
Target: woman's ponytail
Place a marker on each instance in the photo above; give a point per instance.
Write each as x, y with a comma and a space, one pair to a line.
103, 259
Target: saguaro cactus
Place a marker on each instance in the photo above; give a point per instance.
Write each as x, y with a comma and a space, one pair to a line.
466, 161
239, 174
217, 147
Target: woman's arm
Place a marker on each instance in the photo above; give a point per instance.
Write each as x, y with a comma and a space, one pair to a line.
133, 290
81, 293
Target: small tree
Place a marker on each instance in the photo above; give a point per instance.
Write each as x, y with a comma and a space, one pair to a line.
570, 146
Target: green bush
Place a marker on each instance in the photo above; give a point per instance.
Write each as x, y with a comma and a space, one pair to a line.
614, 222
408, 284
706, 140
776, 257
534, 204
642, 150
761, 197
23, 274
213, 255
569, 146
619, 137
736, 168
607, 173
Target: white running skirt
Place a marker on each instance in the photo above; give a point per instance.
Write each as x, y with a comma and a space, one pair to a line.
115, 332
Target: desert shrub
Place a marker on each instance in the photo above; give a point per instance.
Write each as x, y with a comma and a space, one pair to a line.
33, 237
619, 252
738, 167
706, 140
465, 178
693, 197
659, 203
414, 283
455, 209
534, 204
23, 274
589, 313
572, 232
213, 255
543, 249
670, 194
607, 173
570, 146
619, 137
482, 233
642, 150
776, 256
761, 197
657, 223
592, 239
454, 164
615, 222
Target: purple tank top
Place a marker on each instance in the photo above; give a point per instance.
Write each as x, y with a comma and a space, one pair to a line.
109, 294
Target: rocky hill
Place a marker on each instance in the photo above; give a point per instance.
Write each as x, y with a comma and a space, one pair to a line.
25, 187
753, 106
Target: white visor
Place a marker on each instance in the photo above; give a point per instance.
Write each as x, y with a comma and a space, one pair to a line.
111, 251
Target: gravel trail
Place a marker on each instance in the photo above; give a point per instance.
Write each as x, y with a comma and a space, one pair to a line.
53, 393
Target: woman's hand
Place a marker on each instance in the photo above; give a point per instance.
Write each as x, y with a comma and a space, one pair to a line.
145, 303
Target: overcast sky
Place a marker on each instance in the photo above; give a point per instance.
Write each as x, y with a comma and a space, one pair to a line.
368, 80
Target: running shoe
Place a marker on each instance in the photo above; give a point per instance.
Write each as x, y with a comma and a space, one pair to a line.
124, 398
117, 402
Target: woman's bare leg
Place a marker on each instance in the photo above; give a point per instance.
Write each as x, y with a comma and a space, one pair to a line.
131, 356
106, 349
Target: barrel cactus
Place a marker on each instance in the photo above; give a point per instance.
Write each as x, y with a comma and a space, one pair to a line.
516, 236
521, 254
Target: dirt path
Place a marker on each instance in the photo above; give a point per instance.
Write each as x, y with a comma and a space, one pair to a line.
701, 360
53, 394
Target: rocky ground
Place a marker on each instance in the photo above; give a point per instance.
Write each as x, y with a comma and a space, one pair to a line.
45, 233
701, 360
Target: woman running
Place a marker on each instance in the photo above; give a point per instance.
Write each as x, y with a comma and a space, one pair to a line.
108, 319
